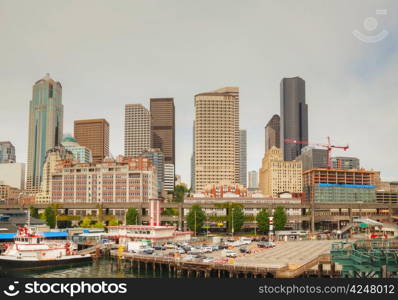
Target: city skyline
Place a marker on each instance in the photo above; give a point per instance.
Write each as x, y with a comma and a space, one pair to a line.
358, 75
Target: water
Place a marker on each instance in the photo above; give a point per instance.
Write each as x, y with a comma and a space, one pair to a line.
97, 269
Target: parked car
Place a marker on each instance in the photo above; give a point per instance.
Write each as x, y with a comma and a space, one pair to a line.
188, 257
195, 251
207, 249
266, 245
223, 246
230, 253
208, 260
170, 246
180, 250
158, 247
244, 250
215, 247
245, 241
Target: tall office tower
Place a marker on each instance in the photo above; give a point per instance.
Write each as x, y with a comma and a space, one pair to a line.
169, 177
93, 134
278, 176
137, 129
163, 127
243, 158
253, 180
7, 153
294, 117
45, 127
313, 158
273, 133
157, 158
217, 138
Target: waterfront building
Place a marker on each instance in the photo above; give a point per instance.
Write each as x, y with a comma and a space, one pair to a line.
344, 162
294, 117
157, 158
93, 134
313, 158
9, 194
137, 129
45, 127
163, 127
243, 158
273, 133
127, 180
278, 176
339, 185
253, 179
13, 174
169, 177
53, 157
81, 153
387, 197
7, 153
217, 138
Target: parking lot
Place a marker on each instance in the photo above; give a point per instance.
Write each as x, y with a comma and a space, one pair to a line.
284, 253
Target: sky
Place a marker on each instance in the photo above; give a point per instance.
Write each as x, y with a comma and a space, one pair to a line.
110, 53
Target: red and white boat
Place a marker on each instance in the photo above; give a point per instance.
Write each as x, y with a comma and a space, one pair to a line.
32, 251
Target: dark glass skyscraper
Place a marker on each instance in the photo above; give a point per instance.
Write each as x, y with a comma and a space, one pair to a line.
273, 133
294, 117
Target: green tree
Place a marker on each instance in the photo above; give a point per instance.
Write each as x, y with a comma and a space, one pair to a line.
49, 215
170, 212
98, 224
132, 216
280, 218
236, 218
262, 219
113, 222
179, 193
86, 223
196, 218
34, 212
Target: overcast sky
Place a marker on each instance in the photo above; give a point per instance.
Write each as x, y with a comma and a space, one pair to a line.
110, 53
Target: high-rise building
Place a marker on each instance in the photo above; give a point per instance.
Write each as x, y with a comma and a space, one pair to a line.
157, 158
93, 134
13, 174
253, 180
163, 127
169, 177
53, 157
273, 133
313, 158
81, 153
7, 153
217, 138
278, 176
137, 129
45, 126
345, 162
294, 117
243, 158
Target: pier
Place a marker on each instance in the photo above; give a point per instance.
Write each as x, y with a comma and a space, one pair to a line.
316, 263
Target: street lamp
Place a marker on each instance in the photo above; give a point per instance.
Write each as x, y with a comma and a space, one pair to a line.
195, 221
232, 221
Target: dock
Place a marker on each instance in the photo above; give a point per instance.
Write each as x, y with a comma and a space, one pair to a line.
258, 265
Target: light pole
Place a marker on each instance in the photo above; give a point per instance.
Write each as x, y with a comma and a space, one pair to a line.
232, 221
195, 221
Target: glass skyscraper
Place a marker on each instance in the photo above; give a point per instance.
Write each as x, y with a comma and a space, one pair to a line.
45, 126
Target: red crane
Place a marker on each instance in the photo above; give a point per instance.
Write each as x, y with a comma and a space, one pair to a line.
328, 147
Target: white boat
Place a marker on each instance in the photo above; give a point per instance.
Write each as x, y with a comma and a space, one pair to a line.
31, 251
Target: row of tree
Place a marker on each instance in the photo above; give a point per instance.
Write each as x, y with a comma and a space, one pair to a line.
235, 218
196, 218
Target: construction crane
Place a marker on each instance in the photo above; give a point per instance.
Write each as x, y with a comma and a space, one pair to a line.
328, 147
